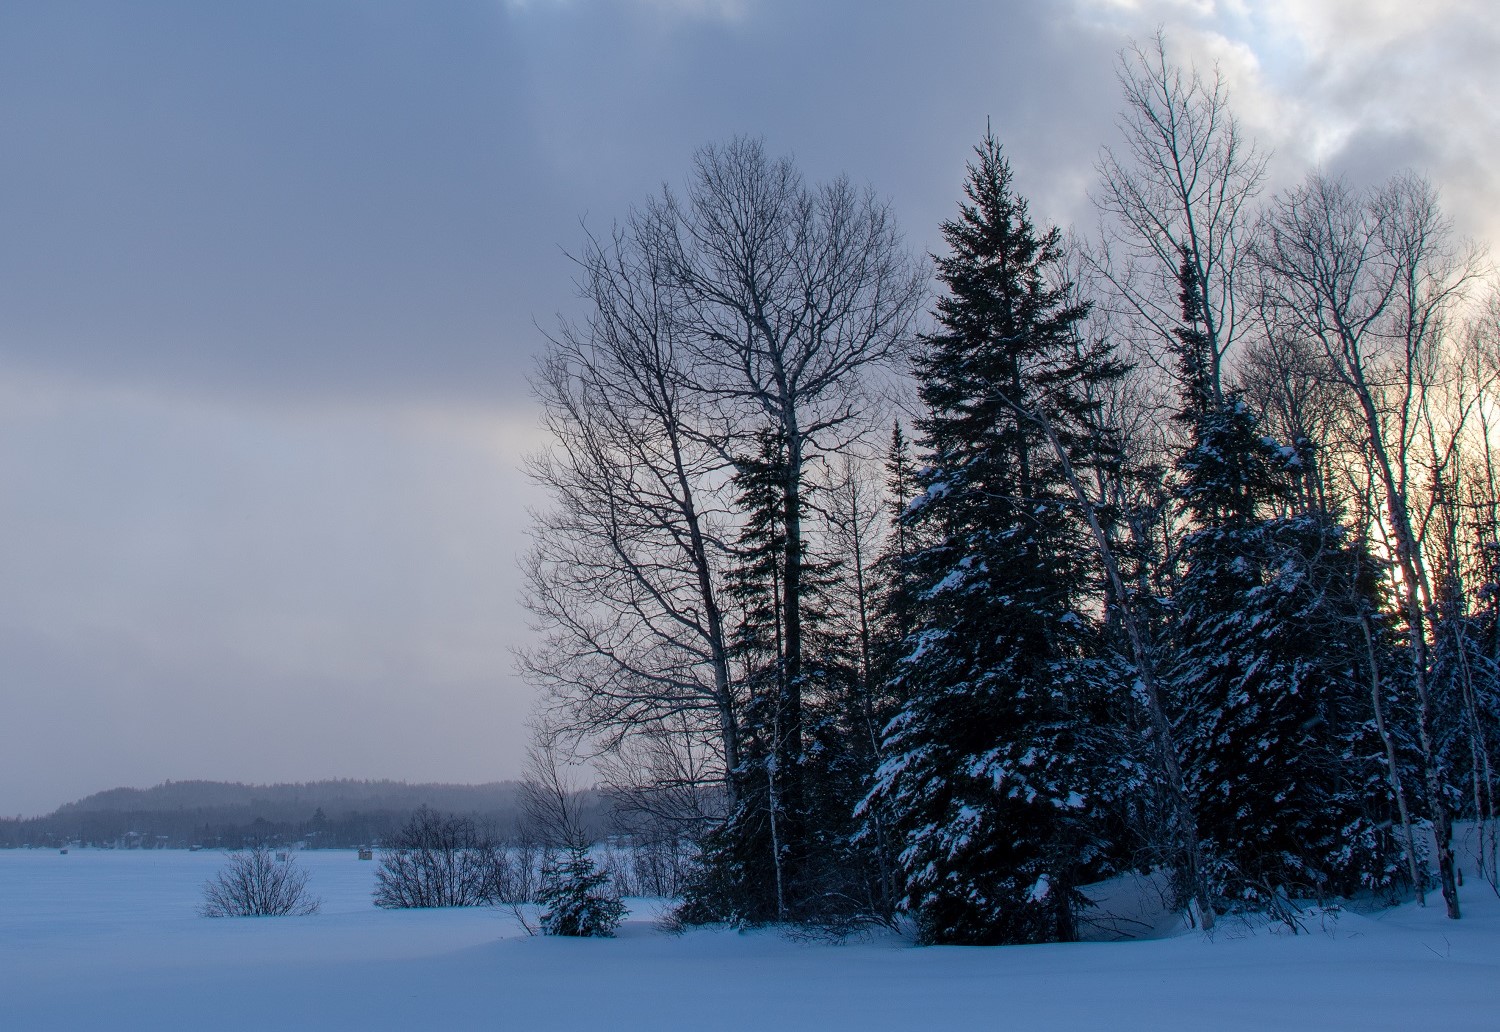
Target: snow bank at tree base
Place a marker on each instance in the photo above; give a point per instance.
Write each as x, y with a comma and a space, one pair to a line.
110, 940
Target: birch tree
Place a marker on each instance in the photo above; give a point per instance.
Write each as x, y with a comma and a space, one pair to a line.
625, 568
1372, 279
1180, 193
750, 307
792, 296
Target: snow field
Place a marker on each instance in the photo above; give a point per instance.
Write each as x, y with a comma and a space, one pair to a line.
100, 939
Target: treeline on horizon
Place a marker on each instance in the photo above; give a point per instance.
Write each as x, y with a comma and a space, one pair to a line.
1169, 549
341, 813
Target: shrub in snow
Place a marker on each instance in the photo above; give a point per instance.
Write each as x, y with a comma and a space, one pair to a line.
659, 865
258, 883
438, 860
575, 900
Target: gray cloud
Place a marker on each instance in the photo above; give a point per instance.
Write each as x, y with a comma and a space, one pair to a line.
1361, 88
359, 200
231, 591
309, 199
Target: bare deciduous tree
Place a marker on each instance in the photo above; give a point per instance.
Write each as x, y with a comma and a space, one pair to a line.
625, 567
1179, 195
1373, 279
749, 303
791, 296
552, 797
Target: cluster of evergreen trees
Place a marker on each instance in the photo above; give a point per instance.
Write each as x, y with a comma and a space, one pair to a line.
1083, 626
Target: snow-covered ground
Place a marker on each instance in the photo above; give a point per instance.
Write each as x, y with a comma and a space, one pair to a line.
97, 940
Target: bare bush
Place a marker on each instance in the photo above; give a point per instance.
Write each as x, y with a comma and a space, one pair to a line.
656, 866
258, 883
517, 875
438, 860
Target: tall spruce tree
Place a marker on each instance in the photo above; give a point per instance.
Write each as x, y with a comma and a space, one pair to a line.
777, 857
1270, 705
983, 779
747, 868
893, 592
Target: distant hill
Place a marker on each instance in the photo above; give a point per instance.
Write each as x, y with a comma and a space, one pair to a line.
300, 798
217, 814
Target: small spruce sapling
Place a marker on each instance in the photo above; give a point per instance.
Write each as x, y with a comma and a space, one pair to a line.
575, 900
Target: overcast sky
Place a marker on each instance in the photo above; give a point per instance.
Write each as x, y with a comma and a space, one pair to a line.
272, 272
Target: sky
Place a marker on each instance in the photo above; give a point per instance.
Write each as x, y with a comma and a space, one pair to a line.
273, 276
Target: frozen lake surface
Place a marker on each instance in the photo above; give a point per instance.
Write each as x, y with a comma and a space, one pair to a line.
100, 939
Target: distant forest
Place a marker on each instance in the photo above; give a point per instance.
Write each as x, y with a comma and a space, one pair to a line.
225, 815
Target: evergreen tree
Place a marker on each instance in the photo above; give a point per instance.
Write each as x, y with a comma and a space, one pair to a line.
745, 869
1467, 696
575, 900
983, 778
1266, 682
780, 856
893, 601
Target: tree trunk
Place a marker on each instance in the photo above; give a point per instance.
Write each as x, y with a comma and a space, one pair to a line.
789, 771
1413, 590
1393, 769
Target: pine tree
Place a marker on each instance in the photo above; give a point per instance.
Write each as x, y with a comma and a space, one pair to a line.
984, 779
745, 871
894, 604
780, 856
574, 898
1266, 683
